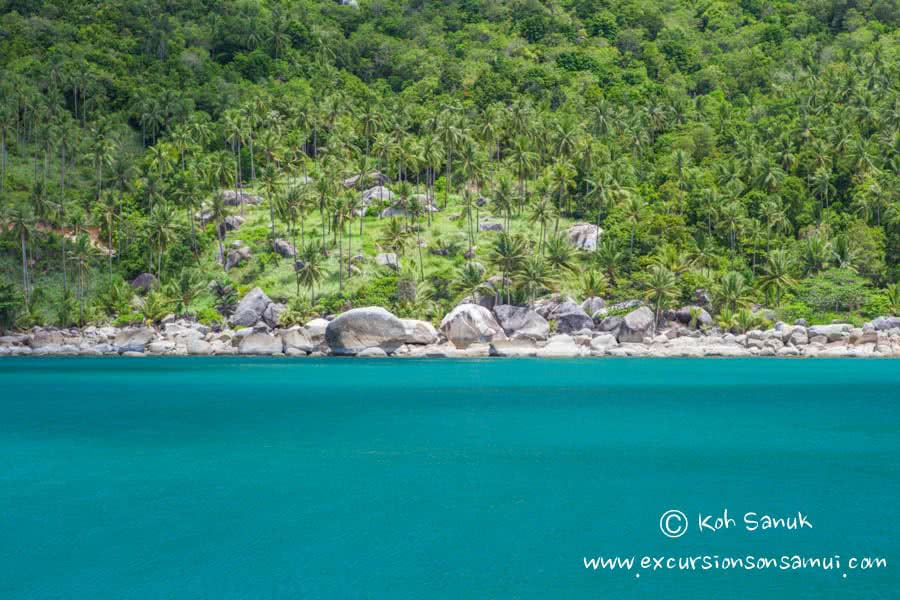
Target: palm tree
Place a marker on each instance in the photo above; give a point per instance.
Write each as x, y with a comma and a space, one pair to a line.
450, 131
777, 274
892, 293
822, 186
733, 291
469, 280
609, 258
559, 253
393, 237
508, 255
272, 188
20, 222
218, 211
593, 284
776, 219
162, 231
108, 215
308, 269
472, 172
504, 197
414, 209
101, 153
234, 134
662, 288
342, 213
185, 289
524, 161
733, 217
81, 253
680, 164
634, 212
6, 122
562, 175
815, 253
535, 275
542, 213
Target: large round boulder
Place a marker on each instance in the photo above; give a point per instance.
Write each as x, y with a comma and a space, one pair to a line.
593, 305
520, 322
134, 339
683, 316
361, 328
419, 332
636, 325
469, 324
143, 282
251, 308
570, 318
584, 236
261, 344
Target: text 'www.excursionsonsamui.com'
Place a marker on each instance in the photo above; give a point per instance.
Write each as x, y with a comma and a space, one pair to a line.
715, 562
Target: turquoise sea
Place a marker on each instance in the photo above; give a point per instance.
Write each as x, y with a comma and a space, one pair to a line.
327, 478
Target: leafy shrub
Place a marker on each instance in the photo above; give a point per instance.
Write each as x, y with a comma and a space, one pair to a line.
10, 301
209, 316
835, 290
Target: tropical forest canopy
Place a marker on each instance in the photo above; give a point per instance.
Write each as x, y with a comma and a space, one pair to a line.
750, 149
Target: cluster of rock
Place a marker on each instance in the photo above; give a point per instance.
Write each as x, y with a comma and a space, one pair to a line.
554, 327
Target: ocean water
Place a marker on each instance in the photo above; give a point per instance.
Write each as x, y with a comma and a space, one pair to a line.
256, 478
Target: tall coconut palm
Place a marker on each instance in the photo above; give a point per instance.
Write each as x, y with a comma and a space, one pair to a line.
451, 133
308, 269
733, 217
162, 230
218, 211
272, 188
776, 275
107, 215
505, 198
472, 170
661, 288
732, 291
469, 280
234, 135
536, 275
508, 254
81, 254
524, 160
542, 213
634, 212
609, 258
20, 222
559, 254
561, 175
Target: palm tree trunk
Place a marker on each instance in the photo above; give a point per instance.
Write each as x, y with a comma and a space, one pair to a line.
341, 260
447, 178
24, 267
109, 249
349, 247
252, 160
221, 257
419, 246
3, 162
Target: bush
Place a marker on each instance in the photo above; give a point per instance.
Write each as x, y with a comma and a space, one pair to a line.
835, 290
10, 303
209, 316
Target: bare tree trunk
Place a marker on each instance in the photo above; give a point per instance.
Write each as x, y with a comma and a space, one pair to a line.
24, 267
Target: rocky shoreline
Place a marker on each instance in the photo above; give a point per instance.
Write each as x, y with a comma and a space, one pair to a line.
553, 328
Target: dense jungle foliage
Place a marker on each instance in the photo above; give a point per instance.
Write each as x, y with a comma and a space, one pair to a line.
749, 149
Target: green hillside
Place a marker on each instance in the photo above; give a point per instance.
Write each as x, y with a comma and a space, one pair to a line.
747, 149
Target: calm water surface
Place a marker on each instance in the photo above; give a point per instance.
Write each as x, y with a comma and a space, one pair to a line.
241, 478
